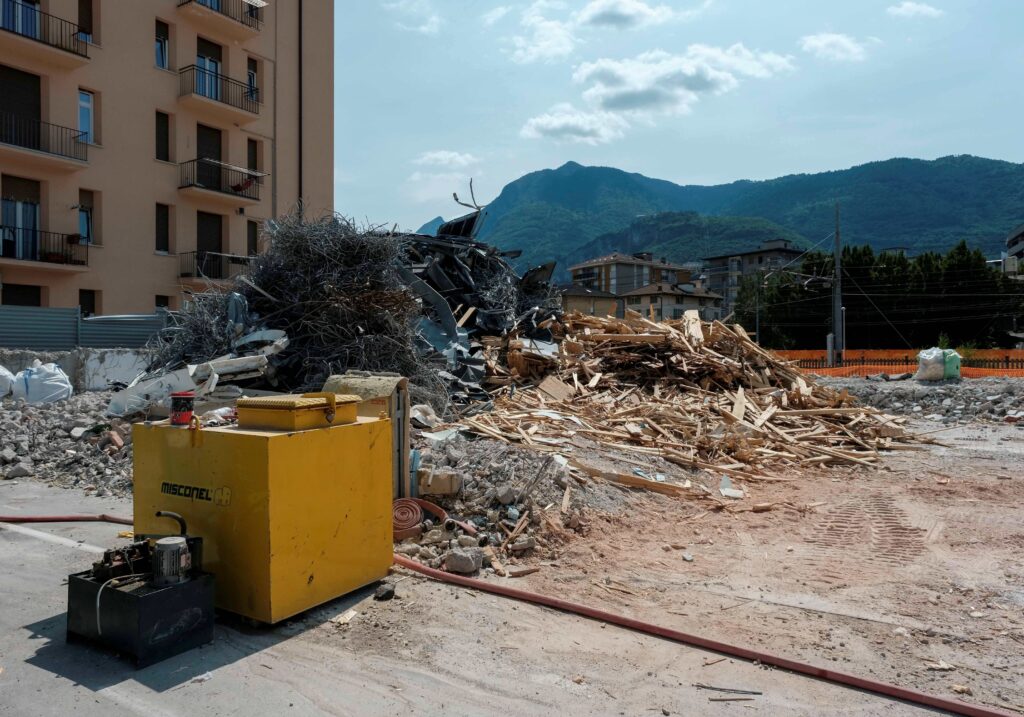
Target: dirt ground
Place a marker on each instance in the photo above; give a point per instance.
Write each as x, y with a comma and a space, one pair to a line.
879, 572
890, 573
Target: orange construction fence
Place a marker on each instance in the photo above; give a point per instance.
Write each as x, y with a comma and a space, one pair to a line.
980, 363
872, 369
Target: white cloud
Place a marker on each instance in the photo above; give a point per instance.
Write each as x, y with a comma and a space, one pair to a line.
623, 14
659, 82
914, 9
566, 123
495, 16
416, 16
833, 46
446, 158
545, 39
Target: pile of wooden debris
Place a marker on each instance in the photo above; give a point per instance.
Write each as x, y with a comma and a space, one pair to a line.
700, 395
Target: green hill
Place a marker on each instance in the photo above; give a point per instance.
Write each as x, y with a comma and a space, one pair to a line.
917, 204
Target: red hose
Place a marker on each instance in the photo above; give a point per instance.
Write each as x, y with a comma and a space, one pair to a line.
842, 678
102, 518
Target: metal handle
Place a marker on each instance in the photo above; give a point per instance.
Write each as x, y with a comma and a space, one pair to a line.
332, 402
174, 516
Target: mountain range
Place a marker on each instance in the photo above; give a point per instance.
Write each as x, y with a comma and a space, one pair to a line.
575, 212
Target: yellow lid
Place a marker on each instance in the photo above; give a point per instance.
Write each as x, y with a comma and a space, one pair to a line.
296, 401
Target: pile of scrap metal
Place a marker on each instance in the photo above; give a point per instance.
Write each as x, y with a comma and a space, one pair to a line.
327, 297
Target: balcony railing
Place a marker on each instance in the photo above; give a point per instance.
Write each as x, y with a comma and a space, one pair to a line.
35, 245
238, 10
219, 177
27, 20
211, 265
43, 137
194, 80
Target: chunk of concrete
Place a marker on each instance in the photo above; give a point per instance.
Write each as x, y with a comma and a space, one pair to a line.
464, 560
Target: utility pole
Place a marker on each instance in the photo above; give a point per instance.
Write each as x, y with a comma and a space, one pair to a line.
757, 314
838, 324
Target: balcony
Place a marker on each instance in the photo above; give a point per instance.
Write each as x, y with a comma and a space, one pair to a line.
208, 265
46, 250
237, 19
216, 181
39, 36
216, 95
28, 141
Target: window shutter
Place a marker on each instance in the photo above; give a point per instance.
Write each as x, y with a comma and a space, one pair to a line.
163, 227
163, 137
163, 32
85, 16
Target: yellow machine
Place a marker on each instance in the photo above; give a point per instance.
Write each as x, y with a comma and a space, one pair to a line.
289, 519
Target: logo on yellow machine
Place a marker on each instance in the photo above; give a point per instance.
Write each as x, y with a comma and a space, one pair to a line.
219, 496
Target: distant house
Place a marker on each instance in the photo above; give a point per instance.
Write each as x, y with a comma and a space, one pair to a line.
591, 301
725, 273
1015, 247
669, 301
618, 273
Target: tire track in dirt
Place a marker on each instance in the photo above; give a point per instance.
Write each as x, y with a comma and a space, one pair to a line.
860, 536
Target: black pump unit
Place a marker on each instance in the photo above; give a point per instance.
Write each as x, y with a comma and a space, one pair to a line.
150, 600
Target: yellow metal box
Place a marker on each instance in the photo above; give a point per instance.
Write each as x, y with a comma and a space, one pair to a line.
297, 413
289, 520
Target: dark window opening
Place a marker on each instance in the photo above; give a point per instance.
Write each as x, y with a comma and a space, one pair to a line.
163, 228
252, 238
85, 20
163, 136
86, 216
163, 302
21, 295
87, 301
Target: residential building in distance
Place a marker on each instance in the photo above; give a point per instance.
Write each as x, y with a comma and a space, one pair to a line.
725, 273
669, 301
1015, 250
594, 302
143, 144
619, 273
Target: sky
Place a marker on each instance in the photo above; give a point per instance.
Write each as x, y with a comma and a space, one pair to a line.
431, 93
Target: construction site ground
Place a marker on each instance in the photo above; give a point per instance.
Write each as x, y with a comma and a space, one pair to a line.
892, 570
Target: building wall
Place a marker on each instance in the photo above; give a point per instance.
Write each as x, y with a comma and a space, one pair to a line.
122, 171
673, 306
592, 306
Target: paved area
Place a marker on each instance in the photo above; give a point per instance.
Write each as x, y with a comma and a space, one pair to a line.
434, 649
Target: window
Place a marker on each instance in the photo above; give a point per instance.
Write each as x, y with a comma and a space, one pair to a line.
163, 228
85, 20
252, 238
162, 302
633, 300
163, 136
86, 118
163, 34
21, 17
253, 93
87, 301
208, 60
19, 218
86, 212
21, 295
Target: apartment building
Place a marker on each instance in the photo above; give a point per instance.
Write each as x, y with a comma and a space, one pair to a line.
725, 273
618, 273
671, 301
143, 143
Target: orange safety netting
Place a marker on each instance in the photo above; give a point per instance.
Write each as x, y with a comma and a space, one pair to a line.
869, 369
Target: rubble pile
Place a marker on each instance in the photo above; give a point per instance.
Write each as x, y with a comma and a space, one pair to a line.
520, 503
700, 395
980, 399
327, 297
70, 443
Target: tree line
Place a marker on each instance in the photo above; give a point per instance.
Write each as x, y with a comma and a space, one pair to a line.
892, 301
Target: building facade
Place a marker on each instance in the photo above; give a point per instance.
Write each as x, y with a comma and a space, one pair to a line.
619, 273
669, 301
143, 144
591, 301
725, 273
